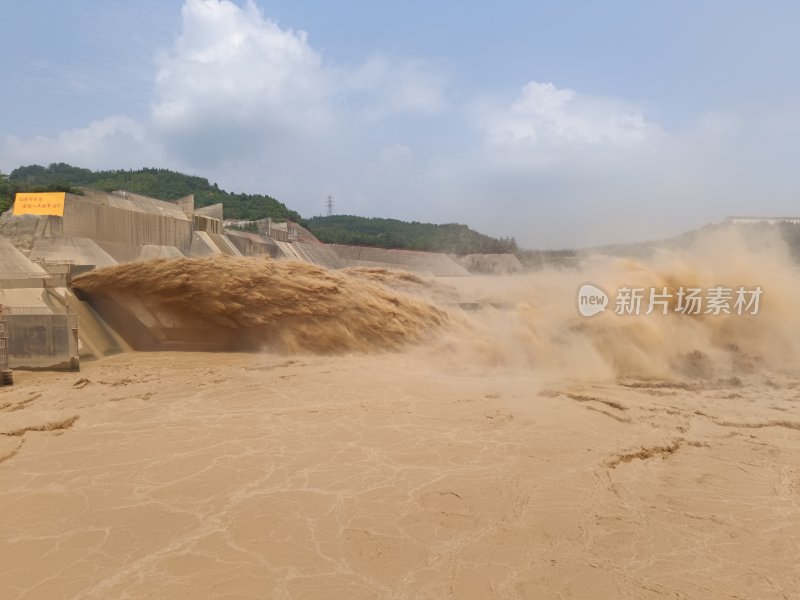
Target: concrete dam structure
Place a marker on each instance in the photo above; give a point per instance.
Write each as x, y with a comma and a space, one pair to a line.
39, 330
49, 325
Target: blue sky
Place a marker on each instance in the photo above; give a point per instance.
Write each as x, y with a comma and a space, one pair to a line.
569, 123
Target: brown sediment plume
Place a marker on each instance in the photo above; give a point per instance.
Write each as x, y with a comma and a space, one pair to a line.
526, 322
542, 328
288, 306
387, 276
410, 283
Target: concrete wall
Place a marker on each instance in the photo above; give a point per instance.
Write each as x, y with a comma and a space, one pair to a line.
38, 339
202, 245
224, 244
319, 253
214, 211
16, 266
277, 231
432, 263
250, 244
491, 264
150, 252
207, 224
122, 224
77, 251
5, 370
21, 230
149, 326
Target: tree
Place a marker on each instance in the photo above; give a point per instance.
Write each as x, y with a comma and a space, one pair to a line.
6, 192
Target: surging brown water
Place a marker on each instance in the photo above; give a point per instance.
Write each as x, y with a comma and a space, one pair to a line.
542, 328
285, 305
527, 322
447, 469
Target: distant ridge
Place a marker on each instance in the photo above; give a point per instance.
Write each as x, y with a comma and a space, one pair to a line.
451, 238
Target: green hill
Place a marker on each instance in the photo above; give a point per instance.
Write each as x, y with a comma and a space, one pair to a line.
156, 183
391, 233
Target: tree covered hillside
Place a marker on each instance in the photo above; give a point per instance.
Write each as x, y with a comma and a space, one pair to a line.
169, 185
156, 183
6, 192
391, 233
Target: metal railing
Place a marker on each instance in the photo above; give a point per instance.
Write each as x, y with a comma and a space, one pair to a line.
28, 310
54, 261
6, 377
3, 347
23, 275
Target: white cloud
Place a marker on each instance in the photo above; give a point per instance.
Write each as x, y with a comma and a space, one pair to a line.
113, 142
235, 82
392, 86
234, 70
545, 122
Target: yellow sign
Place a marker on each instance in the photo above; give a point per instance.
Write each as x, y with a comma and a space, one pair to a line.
41, 203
